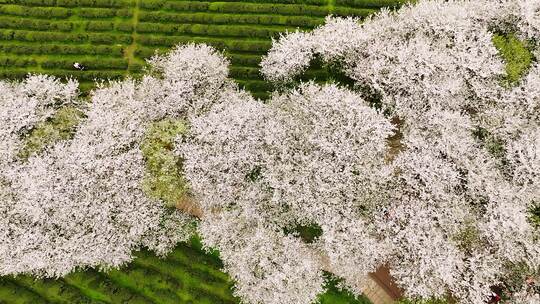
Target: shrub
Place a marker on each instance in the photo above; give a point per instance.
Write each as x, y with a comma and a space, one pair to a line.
17, 62
90, 64
152, 4
208, 18
35, 24
245, 73
516, 54
207, 30
145, 52
126, 26
67, 49
244, 60
13, 74
96, 12
7, 34
163, 179
60, 126
239, 7
371, 3
255, 86
67, 3
30, 2
124, 13
110, 38
186, 6
357, 12
43, 12
99, 26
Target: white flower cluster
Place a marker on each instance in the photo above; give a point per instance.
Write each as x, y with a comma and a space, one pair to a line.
437, 184
452, 219
266, 167
81, 203
24, 105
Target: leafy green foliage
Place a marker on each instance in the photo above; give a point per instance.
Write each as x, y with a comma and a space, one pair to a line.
308, 233
59, 127
335, 295
163, 178
468, 237
535, 215
516, 54
494, 145
186, 275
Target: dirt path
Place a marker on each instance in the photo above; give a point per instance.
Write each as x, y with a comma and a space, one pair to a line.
129, 52
331, 4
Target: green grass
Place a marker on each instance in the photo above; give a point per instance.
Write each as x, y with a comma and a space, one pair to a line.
163, 179
334, 295
516, 54
112, 38
186, 275
535, 214
59, 127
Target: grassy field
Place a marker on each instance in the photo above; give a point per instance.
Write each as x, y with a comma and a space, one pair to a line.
184, 276
187, 275
112, 38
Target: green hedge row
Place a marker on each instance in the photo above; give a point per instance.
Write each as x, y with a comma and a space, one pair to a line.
13, 74
89, 64
108, 290
348, 11
12, 293
244, 60
186, 275
104, 26
135, 68
126, 26
79, 75
72, 3
97, 38
147, 52
48, 287
59, 49
159, 288
239, 59
208, 30
237, 7
88, 75
105, 13
308, 2
95, 3
255, 85
17, 62
371, 3
212, 18
233, 45
41, 12
62, 13
175, 5
280, 9
261, 95
99, 26
245, 73
35, 24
